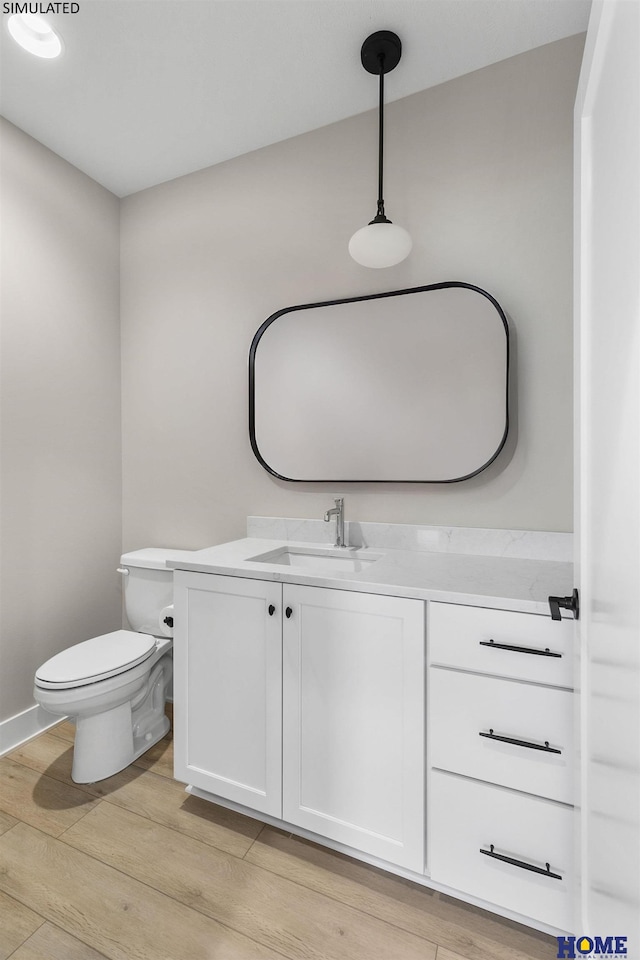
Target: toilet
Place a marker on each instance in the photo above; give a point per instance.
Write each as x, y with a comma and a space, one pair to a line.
114, 686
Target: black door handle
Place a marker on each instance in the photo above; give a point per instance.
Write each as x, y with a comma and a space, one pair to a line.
288, 612
567, 603
272, 609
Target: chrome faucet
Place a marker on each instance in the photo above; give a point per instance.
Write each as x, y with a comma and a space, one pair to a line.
338, 513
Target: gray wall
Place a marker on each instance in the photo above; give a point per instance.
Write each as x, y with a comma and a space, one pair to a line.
480, 173
60, 407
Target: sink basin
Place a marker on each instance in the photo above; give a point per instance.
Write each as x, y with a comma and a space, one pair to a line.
319, 560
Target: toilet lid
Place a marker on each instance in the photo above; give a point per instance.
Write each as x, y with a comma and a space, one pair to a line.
95, 659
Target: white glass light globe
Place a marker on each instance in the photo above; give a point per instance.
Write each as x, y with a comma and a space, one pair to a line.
35, 35
380, 245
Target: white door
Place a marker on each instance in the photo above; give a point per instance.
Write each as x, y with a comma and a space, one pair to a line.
353, 720
607, 470
228, 688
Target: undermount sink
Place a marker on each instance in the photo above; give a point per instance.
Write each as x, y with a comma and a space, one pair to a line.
343, 559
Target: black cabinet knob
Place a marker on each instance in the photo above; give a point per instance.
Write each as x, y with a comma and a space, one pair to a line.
288, 612
272, 609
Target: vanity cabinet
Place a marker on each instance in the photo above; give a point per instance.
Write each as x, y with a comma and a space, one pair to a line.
305, 704
501, 758
314, 709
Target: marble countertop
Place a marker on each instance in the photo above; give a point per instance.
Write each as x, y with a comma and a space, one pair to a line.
506, 583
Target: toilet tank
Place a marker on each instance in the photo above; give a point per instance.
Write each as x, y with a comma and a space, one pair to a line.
148, 588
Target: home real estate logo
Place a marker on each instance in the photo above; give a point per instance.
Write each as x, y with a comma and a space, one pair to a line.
593, 947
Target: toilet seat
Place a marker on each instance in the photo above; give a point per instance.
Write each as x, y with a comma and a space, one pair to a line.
95, 659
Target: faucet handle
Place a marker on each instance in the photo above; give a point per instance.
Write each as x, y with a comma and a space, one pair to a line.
335, 511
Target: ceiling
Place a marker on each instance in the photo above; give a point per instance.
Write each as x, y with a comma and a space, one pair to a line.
149, 90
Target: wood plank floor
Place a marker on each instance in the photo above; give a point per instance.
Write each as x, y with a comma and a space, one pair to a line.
133, 868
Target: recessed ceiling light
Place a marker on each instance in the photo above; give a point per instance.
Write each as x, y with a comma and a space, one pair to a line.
35, 35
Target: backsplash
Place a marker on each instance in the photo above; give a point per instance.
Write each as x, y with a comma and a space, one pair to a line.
520, 544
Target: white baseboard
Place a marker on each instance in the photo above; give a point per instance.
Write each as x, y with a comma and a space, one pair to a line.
14, 731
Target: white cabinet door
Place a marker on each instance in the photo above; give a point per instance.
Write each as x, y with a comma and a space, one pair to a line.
608, 468
228, 688
353, 708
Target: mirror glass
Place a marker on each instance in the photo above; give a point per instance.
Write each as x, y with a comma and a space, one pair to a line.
409, 386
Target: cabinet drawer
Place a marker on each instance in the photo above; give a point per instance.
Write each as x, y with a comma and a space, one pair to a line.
531, 647
469, 817
463, 706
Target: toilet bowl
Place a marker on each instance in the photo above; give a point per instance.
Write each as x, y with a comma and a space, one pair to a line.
114, 686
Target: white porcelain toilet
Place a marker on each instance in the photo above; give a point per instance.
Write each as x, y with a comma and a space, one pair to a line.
114, 686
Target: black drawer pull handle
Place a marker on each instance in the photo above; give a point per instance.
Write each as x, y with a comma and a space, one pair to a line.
509, 646
288, 612
272, 609
521, 863
520, 743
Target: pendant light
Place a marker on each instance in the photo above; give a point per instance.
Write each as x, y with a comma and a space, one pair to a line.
381, 243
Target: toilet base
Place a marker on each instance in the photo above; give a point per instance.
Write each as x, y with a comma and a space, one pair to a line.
108, 741
112, 730
117, 747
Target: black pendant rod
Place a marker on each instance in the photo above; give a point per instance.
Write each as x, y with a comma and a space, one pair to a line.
380, 54
380, 212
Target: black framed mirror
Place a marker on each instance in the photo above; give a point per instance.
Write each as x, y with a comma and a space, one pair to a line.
407, 386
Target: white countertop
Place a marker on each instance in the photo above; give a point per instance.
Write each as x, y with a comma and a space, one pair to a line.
505, 583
